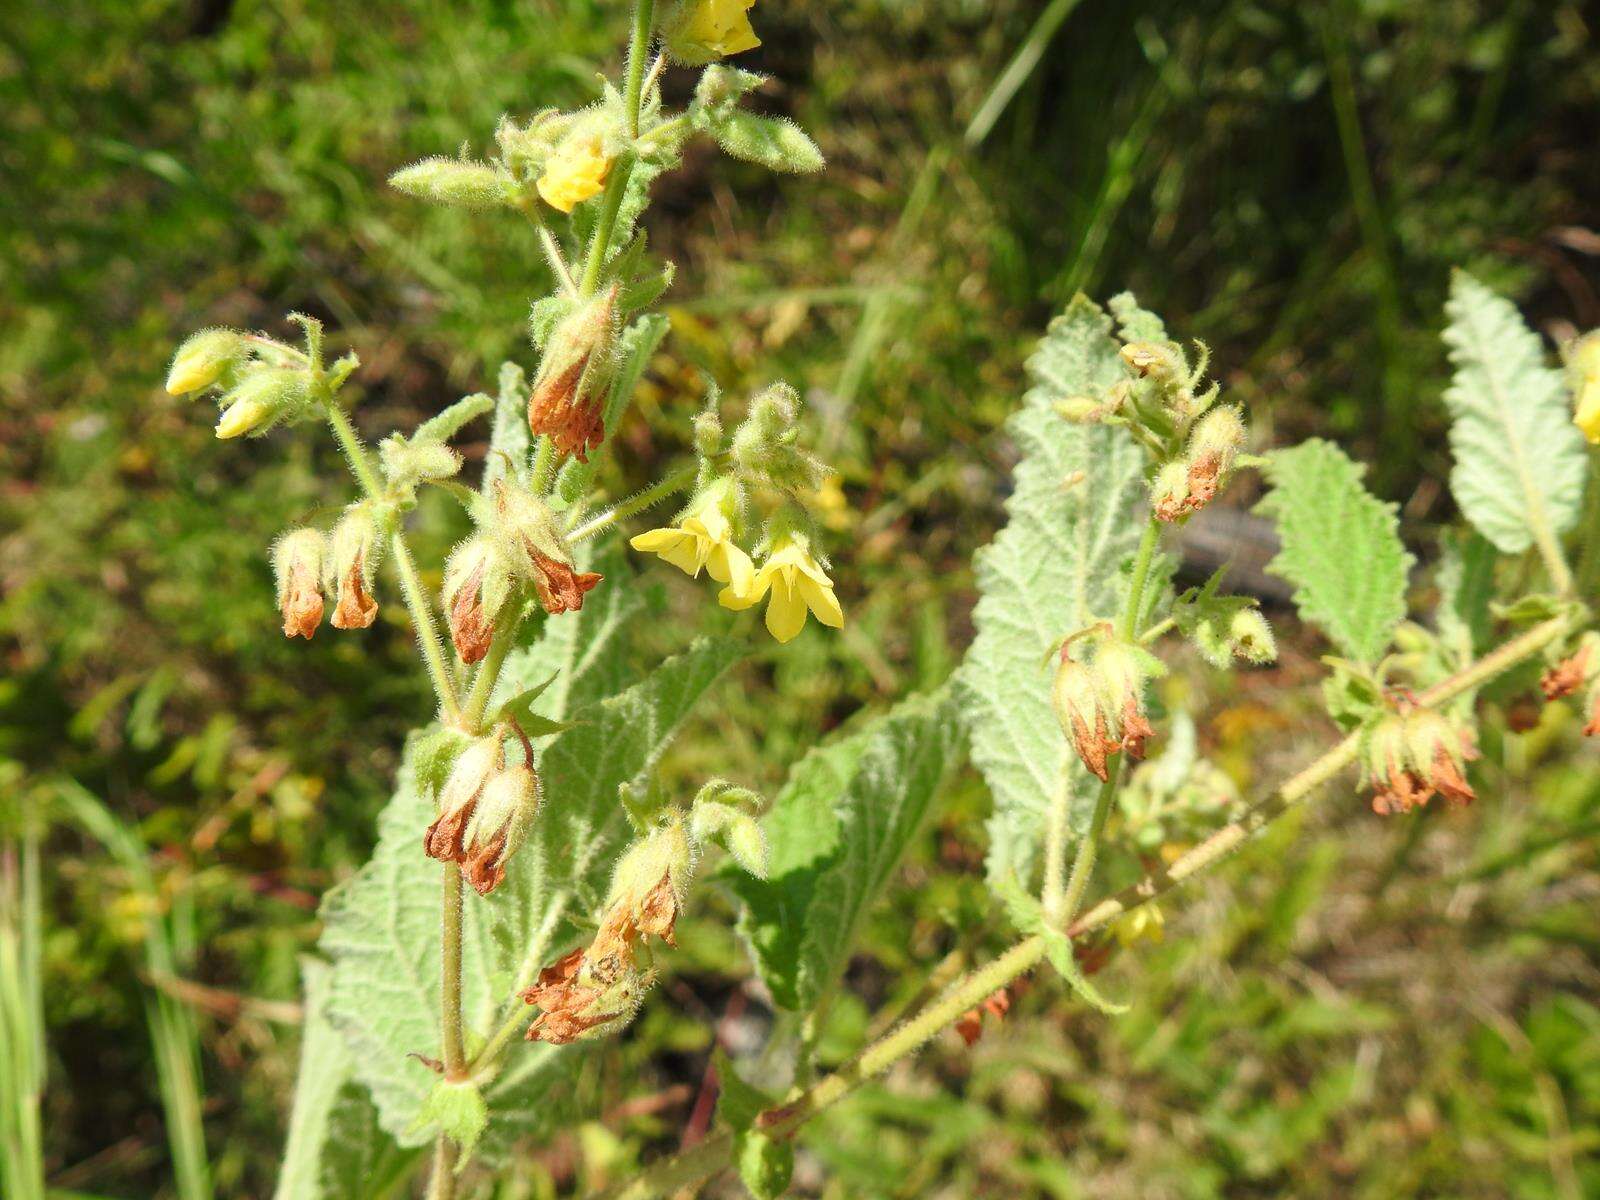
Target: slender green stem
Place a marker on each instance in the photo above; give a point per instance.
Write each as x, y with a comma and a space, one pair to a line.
442, 1179
1083, 862
450, 1026
1133, 609
505, 637
606, 224
1055, 848
415, 595
677, 481
712, 1155
552, 249
644, 12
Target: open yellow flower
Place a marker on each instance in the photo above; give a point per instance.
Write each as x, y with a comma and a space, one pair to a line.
699, 31
702, 541
575, 172
1583, 368
796, 583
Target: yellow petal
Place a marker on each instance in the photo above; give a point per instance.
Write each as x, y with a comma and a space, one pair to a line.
821, 601
786, 613
731, 565
653, 541
1587, 418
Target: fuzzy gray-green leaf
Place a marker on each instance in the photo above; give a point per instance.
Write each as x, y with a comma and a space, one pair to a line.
1341, 547
1520, 463
835, 834
1073, 519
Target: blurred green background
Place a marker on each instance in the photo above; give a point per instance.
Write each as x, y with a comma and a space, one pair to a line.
1367, 1009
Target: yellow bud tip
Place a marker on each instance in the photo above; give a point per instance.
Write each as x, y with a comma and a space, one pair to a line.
241, 417
1587, 416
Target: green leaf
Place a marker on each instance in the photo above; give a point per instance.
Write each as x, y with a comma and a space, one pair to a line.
335, 1148
1520, 461
1466, 589
1341, 547
1028, 917
381, 928
1054, 568
773, 142
509, 440
835, 835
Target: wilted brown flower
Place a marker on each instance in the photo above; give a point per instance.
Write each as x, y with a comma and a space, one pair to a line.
970, 1024
560, 588
567, 403
583, 997
1100, 705
1415, 755
1568, 675
297, 560
355, 609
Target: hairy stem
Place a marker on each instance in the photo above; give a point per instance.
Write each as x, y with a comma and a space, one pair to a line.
411, 589
477, 706
1055, 848
1083, 862
450, 1026
682, 1170
442, 1179
678, 481
638, 51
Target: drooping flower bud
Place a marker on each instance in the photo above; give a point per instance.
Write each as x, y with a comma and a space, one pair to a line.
498, 826
1414, 755
455, 183
477, 584
534, 550
203, 359
567, 403
297, 564
352, 564
1169, 491
1155, 361
651, 882
260, 401
1100, 705
463, 788
1213, 448
1250, 637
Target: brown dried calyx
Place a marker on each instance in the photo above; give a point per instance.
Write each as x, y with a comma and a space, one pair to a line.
297, 563
352, 563
1100, 704
1417, 754
532, 548
595, 990
486, 809
567, 403
477, 587
1581, 669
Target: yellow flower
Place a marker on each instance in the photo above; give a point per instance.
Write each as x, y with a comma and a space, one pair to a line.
575, 172
1142, 924
702, 541
242, 416
702, 30
1584, 371
796, 584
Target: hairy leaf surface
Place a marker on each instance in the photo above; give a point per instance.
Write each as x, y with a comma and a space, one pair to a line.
1341, 547
1052, 569
835, 834
335, 1148
382, 926
1519, 459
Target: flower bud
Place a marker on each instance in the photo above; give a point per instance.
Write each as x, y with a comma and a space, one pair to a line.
260, 401
1411, 756
453, 182
1250, 637
1080, 410
1213, 448
297, 564
352, 563
203, 359
533, 550
1573, 672
567, 404
1155, 361
498, 826
1101, 705
697, 32
473, 769
477, 585
1169, 491
651, 883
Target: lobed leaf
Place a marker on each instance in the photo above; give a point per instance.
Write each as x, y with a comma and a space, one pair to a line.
1520, 462
1054, 568
1341, 547
835, 835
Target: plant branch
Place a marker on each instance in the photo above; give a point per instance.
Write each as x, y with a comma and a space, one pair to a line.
683, 1170
677, 481
411, 589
